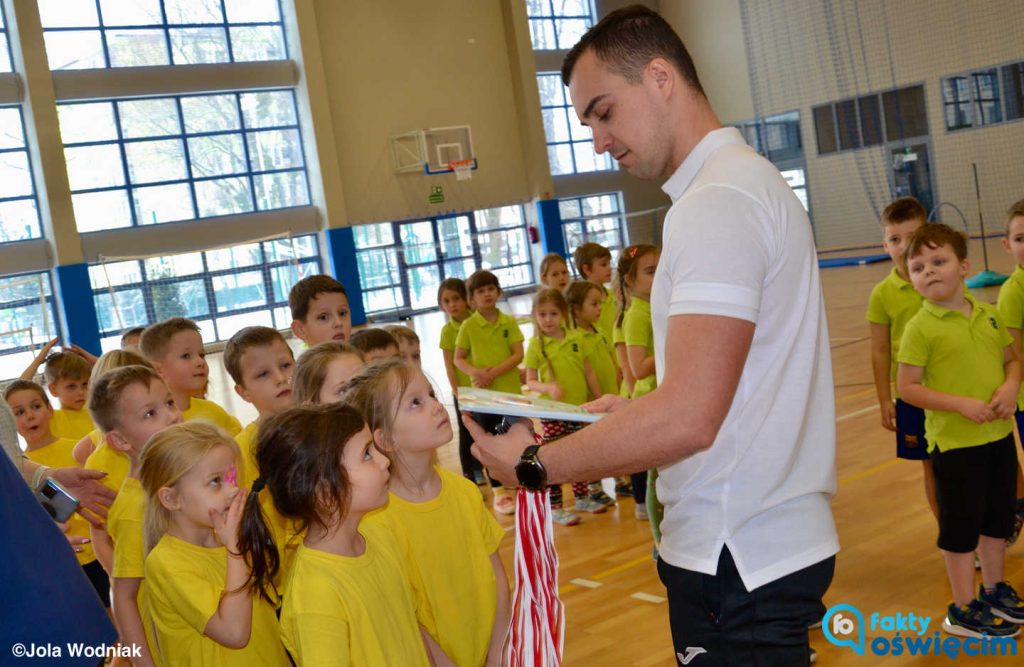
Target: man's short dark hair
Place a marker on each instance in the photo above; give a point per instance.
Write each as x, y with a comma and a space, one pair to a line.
627, 39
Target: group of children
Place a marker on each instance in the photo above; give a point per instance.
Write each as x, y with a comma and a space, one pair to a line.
956, 365
325, 529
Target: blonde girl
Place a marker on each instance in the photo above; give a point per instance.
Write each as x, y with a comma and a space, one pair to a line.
453, 538
94, 440
636, 268
204, 611
554, 271
349, 598
557, 367
454, 301
322, 372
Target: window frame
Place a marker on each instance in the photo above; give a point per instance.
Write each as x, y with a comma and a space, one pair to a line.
574, 144
588, 234
250, 174
555, 21
51, 303
34, 196
854, 140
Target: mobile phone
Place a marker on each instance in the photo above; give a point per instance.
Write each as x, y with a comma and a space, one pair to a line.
56, 500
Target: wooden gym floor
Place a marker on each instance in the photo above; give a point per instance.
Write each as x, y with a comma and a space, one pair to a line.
616, 614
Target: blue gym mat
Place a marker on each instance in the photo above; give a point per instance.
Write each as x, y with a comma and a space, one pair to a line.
851, 261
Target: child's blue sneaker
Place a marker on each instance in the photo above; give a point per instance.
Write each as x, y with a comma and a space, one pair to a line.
975, 620
1003, 602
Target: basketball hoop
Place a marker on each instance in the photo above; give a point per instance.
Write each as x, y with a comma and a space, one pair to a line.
463, 169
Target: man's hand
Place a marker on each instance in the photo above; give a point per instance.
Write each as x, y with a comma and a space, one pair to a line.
499, 453
93, 497
606, 403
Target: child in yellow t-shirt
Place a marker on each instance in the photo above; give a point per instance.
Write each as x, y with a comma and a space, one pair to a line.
453, 299
350, 597
204, 610
320, 310
32, 415
323, 372
67, 378
130, 404
488, 349
452, 538
1011, 308
637, 265
558, 368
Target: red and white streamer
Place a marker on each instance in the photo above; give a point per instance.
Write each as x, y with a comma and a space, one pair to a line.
537, 634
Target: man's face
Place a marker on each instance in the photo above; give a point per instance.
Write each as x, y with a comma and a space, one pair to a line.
628, 121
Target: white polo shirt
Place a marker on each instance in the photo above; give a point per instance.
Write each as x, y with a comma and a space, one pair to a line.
738, 243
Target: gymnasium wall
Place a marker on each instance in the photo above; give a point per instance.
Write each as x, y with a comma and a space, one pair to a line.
802, 53
397, 66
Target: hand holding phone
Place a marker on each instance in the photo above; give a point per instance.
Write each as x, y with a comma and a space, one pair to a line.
56, 500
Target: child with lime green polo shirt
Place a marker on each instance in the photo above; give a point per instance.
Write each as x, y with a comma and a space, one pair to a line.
453, 299
488, 349
892, 303
558, 367
957, 364
594, 263
1011, 309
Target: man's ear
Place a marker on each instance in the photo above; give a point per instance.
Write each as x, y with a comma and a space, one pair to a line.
117, 440
168, 497
662, 74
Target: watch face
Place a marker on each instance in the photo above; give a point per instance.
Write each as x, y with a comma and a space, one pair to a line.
530, 475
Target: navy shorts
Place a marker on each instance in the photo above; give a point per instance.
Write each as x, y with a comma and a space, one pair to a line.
910, 441
1018, 416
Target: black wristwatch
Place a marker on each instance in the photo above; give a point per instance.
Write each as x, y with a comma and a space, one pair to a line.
530, 472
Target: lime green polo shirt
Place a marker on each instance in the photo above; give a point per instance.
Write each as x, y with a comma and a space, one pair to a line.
561, 361
609, 313
449, 333
960, 356
487, 345
599, 351
618, 338
1011, 309
638, 330
893, 302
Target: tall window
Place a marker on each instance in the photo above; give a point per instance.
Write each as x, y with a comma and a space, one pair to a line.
162, 159
870, 120
222, 290
558, 24
27, 320
81, 34
19, 214
986, 96
570, 145
593, 219
402, 263
5, 48
974, 99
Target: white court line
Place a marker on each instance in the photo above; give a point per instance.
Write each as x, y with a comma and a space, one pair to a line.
645, 597
586, 583
856, 413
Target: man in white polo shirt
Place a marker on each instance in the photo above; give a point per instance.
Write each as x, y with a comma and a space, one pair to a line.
742, 424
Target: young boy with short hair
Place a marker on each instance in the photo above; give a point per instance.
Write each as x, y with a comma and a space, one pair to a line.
892, 303
408, 343
956, 362
131, 337
488, 349
130, 404
320, 310
1011, 308
594, 263
33, 416
376, 344
67, 379
175, 348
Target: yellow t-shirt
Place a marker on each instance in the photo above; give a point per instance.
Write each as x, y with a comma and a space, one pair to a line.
451, 540
201, 409
618, 338
637, 330
58, 454
360, 610
962, 357
564, 357
449, 334
185, 583
116, 464
609, 313
1011, 309
600, 352
126, 527
71, 424
892, 303
489, 344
